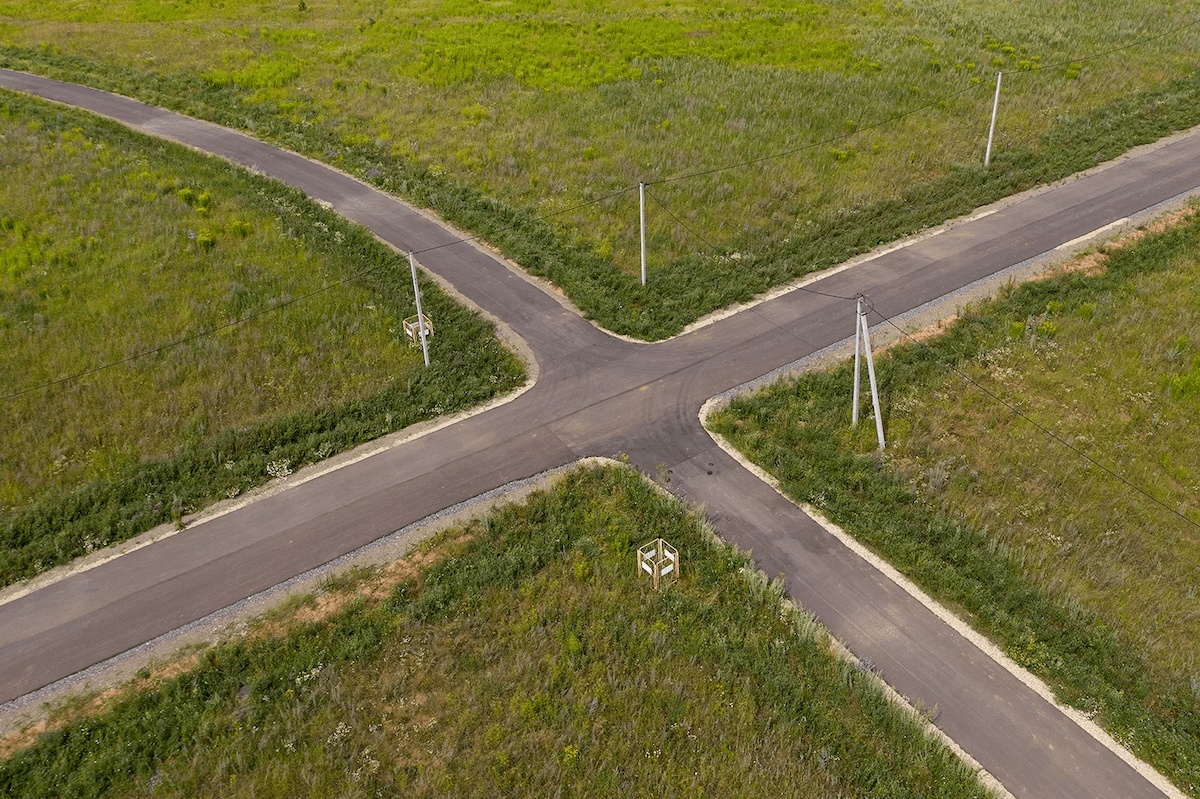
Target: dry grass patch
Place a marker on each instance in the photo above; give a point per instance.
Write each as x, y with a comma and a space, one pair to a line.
1095, 262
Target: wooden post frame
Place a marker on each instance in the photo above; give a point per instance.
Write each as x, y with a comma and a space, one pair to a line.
660, 560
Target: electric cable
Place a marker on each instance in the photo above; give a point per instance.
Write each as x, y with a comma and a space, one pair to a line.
811, 145
721, 252
242, 320
1102, 53
1111, 381
925, 107
578, 206
683, 224
536, 219
1050, 433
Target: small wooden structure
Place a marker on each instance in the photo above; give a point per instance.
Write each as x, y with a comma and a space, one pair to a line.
412, 329
660, 560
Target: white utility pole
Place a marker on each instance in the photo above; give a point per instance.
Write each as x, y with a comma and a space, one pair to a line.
857, 361
642, 207
862, 335
412, 263
987, 157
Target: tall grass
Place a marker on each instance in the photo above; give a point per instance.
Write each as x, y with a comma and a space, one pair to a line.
1080, 577
111, 244
526, 656
497, 117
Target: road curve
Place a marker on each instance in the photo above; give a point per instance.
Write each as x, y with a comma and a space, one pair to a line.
599, 395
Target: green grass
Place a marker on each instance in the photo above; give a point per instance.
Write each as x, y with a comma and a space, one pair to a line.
109, 252
112, 244
1084, 580
494, 116
527, 657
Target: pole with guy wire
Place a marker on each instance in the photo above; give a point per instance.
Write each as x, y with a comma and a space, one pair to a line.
412, 263
857, 362
987, 157
642, 209
862, 341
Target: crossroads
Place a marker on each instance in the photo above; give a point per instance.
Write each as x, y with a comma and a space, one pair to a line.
596, 394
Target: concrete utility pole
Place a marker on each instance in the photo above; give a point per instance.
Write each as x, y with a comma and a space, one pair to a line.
642, 207
412, 263
987, 157
862, 341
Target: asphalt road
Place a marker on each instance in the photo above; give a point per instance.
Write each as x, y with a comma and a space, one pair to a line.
599, 395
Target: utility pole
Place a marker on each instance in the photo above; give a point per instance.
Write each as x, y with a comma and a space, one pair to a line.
862, 342
412, 263
642, 208
987, 157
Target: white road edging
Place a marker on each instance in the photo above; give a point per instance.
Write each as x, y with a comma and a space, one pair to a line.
982, 643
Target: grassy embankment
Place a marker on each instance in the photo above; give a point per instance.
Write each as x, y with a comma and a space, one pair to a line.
112, 243
521, 655
495, 117
1079, 577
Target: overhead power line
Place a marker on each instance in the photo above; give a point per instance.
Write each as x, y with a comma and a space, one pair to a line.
534, 220
1092, 56
170, 345
681, 223
831, 140
722, 253
1042, 428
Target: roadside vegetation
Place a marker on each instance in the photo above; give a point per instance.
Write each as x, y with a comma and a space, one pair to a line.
524, 654
1087, 581
499, 117
113, 244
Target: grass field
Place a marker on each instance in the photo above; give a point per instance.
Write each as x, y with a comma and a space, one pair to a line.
521, 655
109, 252
494, 115
1086, 580
112, 244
